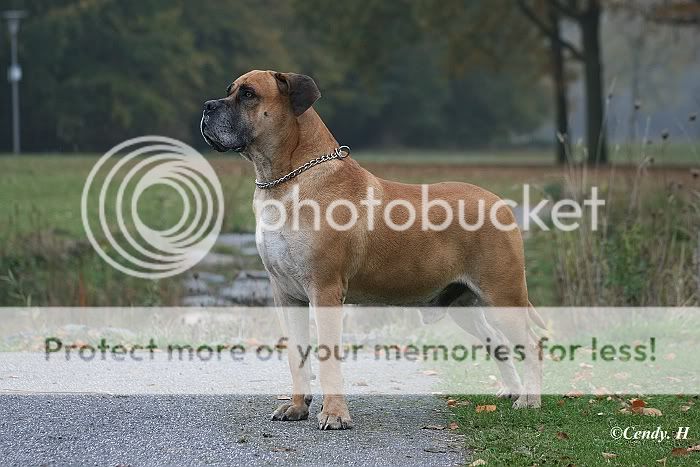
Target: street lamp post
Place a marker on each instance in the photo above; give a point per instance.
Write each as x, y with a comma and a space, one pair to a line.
14, 72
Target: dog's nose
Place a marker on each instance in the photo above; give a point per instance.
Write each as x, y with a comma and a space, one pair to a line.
212, 105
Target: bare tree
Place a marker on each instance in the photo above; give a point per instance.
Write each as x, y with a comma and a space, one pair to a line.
587, 15
548, 22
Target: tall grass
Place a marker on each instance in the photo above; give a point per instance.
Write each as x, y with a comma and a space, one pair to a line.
646, 251
47, 268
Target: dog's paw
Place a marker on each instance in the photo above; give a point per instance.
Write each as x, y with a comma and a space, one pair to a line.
532, 401
334, 415
291, 412
327, 421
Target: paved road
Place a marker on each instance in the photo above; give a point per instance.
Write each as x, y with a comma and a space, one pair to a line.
218, 430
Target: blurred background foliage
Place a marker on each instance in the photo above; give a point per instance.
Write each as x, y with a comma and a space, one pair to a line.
97, 72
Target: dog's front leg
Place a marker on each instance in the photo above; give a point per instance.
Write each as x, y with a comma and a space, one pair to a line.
329, 323
294, 318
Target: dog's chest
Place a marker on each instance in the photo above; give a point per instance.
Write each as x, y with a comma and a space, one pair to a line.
283, 255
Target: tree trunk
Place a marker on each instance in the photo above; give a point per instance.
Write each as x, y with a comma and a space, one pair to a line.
561, 137
595, 109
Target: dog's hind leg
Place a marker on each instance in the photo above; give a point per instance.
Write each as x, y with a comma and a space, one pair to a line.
474, 322
514, 318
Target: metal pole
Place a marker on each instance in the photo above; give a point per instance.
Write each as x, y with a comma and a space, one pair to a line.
14, 27
14, 74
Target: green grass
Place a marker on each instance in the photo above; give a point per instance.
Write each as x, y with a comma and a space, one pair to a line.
576, 431
44, 248
663, 153
40, 206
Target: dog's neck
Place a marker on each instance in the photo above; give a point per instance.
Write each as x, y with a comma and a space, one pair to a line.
308, 139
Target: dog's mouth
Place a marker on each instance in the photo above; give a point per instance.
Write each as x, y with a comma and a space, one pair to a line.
212, 140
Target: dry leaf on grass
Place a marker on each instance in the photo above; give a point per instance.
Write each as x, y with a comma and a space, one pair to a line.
451, 403
477, 462
562, 435
685, 408
638, 403
453, 426
573, 394
485, 408
651, 411
679, 452
609, 455
662, 461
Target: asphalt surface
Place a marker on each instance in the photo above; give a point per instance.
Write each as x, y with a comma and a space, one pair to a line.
100, 429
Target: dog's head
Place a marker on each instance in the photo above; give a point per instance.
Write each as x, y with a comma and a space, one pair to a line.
259, 105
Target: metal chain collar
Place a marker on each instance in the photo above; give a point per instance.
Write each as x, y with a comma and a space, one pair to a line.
338, 153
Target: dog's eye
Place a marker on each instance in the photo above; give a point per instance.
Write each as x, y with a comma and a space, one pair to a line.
247, 94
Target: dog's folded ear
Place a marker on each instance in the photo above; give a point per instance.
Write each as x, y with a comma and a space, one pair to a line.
301, 89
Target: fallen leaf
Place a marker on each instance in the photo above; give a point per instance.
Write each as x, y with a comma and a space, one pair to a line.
485, 408
434, 427
430, 372
685, 408
609, 455
679, 452
451, 403
562, 435
662, 461
638, 403
453, 426
651, 411
561, 402
477, 462
573, 394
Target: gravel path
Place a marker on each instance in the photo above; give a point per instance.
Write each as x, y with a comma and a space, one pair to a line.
219, 430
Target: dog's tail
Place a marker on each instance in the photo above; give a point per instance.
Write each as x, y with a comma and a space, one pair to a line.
534, 316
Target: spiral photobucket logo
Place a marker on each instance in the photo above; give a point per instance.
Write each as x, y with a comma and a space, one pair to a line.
133, 244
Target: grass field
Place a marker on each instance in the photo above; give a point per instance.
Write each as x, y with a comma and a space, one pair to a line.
40, 205
577, 431
41, 195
